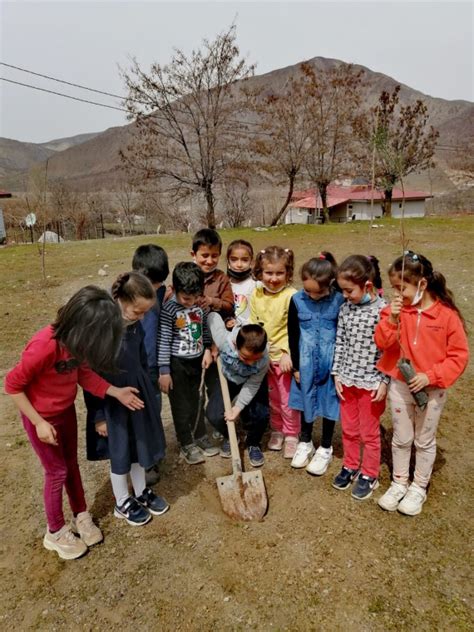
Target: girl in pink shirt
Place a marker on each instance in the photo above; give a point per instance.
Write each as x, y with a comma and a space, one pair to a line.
86, 333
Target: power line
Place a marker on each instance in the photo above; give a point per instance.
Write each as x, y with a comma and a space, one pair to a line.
61, 94
69, 83
81, 87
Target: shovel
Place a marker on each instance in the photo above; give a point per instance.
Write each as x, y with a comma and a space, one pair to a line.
243, 494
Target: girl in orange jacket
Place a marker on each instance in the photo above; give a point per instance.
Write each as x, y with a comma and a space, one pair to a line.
423, 325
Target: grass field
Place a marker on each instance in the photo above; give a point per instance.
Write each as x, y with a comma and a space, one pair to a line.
318, 561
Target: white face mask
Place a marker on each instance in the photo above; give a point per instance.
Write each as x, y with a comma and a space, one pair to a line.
418, 295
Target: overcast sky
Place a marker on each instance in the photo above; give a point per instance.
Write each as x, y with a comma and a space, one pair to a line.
426, 45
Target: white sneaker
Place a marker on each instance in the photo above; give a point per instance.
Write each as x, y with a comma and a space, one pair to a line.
65, 543
320, 461
412, 503
392, 497
83, 525
303, 454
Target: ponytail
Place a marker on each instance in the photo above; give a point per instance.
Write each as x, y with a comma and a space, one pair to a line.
129, 286
437, 286
416, 267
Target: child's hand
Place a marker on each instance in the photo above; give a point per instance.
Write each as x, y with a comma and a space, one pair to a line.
127, 396
101, 428
214, 352
339, 388
286, 365
233, 413
418, 382
230, 324
380, 394
296, 375
396, 307
166, 383
46, 432
207, 359
205, 302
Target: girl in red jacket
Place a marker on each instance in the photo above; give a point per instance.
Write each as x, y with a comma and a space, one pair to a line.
86, 333
423, 325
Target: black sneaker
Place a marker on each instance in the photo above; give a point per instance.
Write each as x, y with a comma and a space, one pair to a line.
364, 486
225, 449
152, 476
345, 477
134, 513
256, 457
156, 505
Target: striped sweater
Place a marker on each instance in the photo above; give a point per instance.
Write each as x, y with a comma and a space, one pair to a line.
182, 332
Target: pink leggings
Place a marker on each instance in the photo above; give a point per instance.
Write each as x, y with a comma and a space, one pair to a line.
60, 467
282, 418
360, 420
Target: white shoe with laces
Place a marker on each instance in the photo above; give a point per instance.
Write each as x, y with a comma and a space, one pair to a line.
412, 503
65, 543
84, 526
320, 461
392, 497
303, 454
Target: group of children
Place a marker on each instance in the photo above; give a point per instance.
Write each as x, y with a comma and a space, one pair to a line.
329, 350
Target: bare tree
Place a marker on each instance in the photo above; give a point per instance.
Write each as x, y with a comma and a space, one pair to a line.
334, 112
187, 116
286, 126
127, 196
237, 203
402, 142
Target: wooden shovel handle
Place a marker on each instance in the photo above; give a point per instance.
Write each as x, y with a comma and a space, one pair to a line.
234, 445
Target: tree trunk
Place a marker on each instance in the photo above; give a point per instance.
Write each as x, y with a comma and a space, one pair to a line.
281, 212
211, 215
387, 203
324, 199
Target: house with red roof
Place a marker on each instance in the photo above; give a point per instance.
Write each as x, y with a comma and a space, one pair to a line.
355, 202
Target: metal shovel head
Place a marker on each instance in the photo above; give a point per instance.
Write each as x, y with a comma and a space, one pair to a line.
243, 495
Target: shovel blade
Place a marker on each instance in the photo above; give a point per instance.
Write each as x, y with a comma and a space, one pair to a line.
243, 496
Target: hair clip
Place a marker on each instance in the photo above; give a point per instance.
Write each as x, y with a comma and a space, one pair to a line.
321, 256
262, 252
412, 255
287, 250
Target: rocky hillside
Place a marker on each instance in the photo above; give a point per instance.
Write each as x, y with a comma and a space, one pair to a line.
95, 162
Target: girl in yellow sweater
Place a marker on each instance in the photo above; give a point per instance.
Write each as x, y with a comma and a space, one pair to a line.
269, 305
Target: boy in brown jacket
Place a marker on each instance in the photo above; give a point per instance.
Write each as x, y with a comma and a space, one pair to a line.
218, 297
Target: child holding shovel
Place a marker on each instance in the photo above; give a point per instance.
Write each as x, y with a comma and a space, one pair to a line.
244, 358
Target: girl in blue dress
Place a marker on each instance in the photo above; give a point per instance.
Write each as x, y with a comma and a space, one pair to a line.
133, 441
312, 324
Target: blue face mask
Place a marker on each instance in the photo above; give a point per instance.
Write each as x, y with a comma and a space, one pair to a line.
365, 299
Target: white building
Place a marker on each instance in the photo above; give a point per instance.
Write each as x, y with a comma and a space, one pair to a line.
347, 203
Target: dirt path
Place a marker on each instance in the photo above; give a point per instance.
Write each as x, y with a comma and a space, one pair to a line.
318, 561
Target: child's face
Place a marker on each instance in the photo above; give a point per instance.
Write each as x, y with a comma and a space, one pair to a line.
187, 300
274, 276
352, 292
136, 309
239, 260
207, 257
249, 357
314, 290
408, 291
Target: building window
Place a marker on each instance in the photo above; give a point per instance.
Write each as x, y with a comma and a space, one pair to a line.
349, 206
400, 205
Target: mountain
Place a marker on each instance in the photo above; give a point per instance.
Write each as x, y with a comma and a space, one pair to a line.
17, 156
95, 161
